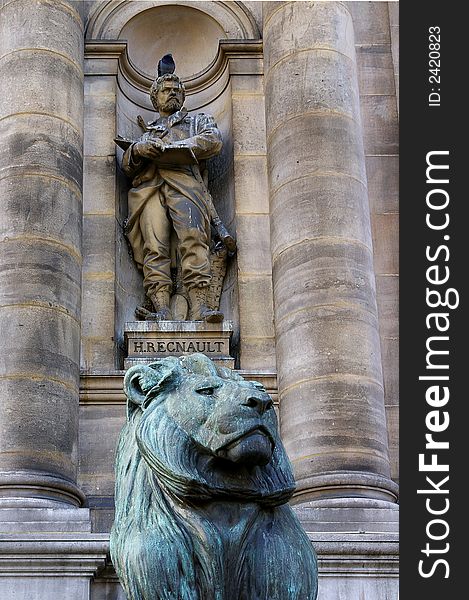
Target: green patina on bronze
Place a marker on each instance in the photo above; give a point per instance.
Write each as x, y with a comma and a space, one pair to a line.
202, 485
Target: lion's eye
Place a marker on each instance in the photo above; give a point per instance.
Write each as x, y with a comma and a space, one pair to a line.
206, 391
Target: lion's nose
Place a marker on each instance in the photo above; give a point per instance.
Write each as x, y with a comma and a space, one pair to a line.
259, 404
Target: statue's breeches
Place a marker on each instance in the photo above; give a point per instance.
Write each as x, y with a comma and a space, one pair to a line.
158, 211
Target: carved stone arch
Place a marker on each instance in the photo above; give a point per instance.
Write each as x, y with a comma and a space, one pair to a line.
160, 27
108, 18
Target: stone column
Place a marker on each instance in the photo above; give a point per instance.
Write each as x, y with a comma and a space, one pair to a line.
328, 349
41, 133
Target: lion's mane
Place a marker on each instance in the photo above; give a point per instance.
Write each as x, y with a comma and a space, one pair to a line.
164, 545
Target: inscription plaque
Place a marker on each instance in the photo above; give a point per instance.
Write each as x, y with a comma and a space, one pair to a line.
148, 340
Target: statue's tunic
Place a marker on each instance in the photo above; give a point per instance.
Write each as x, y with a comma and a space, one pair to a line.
166, 197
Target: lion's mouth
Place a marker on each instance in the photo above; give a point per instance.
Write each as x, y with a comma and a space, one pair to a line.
254, 446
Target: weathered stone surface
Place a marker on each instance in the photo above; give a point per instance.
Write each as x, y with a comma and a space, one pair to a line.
100, 125
380, 125
98, 348
256, 318
375, 70
338, 148
99, 181
98, 343
394, 27
290, 29
325, 273
41, 145
47, 275
328, 347
17, 70
103, 588
256, 315
377, 26
355, 352
380, 588
41, 340
57, 217
349, 411
246, 84
98, 306
383, 183
370, 20
253, 232
98, 352
62, 34
27, 442
248, 125
250, 181
103, 87
322, 81
392, 419
386, 242
258, 352
96, 468
49, 554
45, 519
390, 357
41, 114
99, 232
252, 225
388, 305
320, 208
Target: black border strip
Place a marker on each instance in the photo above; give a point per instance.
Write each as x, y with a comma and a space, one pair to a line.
432, 127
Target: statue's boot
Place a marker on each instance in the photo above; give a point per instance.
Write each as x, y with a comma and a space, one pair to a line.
199, 310
160, 301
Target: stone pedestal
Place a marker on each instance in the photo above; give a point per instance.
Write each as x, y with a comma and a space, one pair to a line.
49, 553
357, 545
147, 340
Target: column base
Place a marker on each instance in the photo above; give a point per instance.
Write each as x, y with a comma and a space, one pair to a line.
346, 484
357, 546
38, 489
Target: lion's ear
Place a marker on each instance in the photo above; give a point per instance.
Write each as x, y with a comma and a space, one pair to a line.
140, 380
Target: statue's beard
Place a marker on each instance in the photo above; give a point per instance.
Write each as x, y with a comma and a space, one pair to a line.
172, 105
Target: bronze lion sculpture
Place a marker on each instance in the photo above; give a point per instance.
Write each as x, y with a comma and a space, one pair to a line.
202, 484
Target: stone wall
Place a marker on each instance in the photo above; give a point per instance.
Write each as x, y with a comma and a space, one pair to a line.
306, 95
111, 284
378, 68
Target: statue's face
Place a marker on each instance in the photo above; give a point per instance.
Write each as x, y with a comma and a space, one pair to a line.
170, 97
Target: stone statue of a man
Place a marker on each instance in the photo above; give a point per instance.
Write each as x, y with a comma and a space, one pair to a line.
168, 196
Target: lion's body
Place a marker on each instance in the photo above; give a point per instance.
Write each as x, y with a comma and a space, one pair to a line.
191, 524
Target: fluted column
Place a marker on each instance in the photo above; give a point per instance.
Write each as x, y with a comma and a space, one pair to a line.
41, 133
328, 350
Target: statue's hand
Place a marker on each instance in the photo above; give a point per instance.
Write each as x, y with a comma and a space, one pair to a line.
149, 148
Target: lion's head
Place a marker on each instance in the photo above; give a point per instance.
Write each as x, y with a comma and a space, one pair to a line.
202, 481
205, 431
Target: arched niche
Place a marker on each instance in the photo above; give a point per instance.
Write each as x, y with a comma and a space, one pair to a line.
175, 27
109, 18
193, 32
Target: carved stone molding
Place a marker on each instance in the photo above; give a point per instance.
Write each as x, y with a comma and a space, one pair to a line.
109, 18
106, 388
234, 57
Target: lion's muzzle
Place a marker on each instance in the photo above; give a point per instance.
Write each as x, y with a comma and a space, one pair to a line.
255, 447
